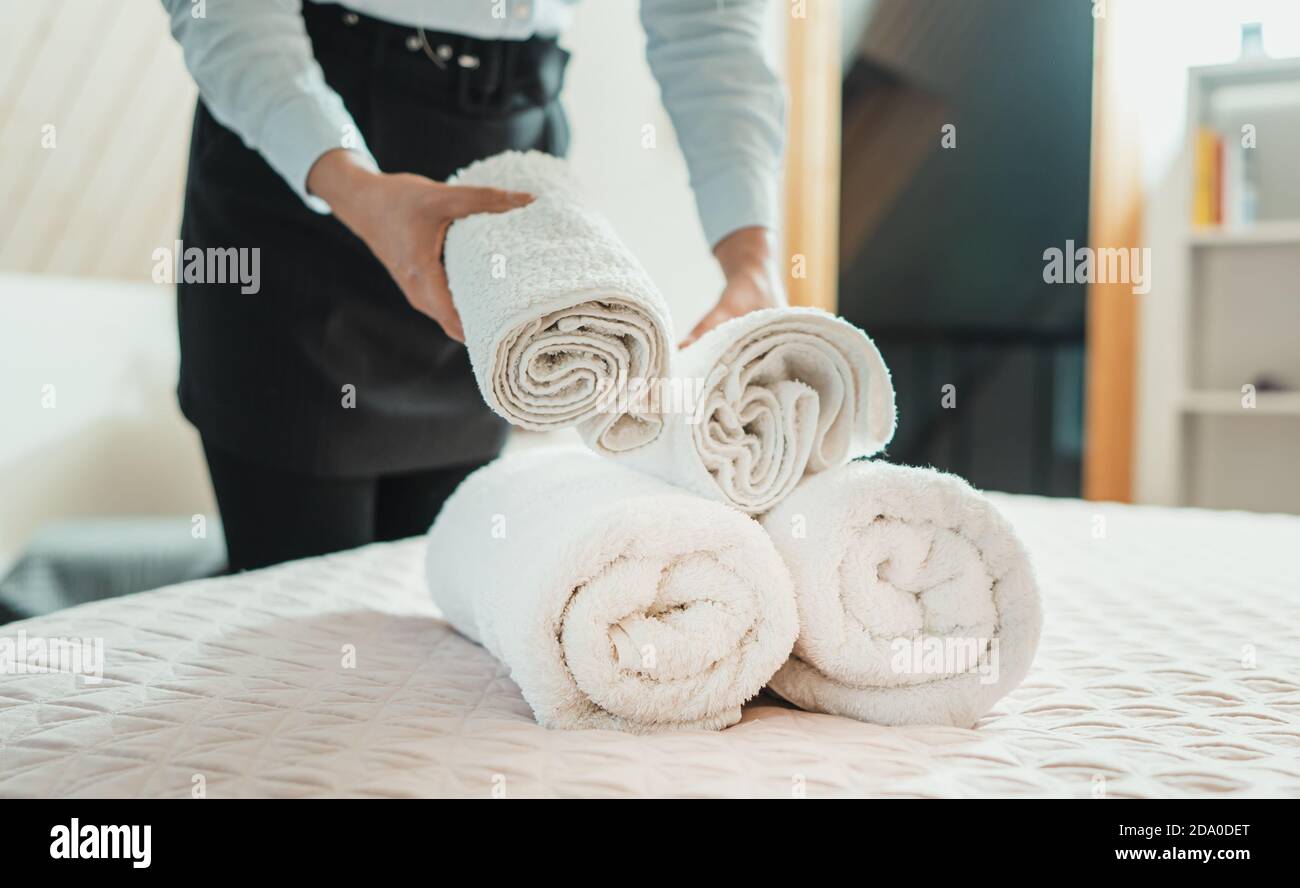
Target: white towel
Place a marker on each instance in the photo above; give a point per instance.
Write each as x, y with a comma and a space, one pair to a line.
615, 600
917, 603
557, 313
779, 394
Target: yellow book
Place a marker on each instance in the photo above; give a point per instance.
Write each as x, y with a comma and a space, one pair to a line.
1204, 184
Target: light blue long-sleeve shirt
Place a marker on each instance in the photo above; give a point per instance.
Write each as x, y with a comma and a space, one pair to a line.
254, 67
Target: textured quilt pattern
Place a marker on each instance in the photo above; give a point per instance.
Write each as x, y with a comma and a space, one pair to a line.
1168, 666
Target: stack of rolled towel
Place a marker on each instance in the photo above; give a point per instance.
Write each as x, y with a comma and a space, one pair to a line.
719, 536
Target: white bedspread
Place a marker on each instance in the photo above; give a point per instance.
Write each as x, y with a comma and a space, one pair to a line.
1169, 666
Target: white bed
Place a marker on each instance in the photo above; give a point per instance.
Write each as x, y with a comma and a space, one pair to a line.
1170, 666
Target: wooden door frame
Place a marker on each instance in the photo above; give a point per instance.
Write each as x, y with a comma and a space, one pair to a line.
1115, 217
812, 169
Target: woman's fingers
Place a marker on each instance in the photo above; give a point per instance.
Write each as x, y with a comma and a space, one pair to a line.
403, 218
751, 284
461, 201
444, 308
719, 314
466, 200
432, 297
435, 294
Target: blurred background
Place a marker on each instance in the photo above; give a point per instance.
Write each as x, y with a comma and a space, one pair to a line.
969, 138
942, 247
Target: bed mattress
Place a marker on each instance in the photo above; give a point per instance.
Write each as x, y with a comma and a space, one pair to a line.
1169, 667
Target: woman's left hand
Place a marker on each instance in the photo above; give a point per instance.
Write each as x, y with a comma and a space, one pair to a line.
748, 260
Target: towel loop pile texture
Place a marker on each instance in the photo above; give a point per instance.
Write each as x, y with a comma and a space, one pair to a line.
785, 393
616, 600
917, 602
557, 312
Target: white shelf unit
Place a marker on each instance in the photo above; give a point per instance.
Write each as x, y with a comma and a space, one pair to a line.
1236, 319
1208, 403
1259, 234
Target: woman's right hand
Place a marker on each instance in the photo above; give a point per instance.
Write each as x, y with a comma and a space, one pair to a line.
403, 218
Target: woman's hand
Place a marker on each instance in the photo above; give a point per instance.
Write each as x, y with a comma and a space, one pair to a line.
403, 219
747, 257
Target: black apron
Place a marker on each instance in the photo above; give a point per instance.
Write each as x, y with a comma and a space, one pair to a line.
266, 375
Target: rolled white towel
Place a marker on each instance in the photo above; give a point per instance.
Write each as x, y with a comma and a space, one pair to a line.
557, 313
917, 602
771, 396
615, 600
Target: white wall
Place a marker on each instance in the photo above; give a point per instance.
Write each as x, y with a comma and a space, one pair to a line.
90, 423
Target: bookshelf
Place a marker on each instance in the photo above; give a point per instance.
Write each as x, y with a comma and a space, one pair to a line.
1231, 308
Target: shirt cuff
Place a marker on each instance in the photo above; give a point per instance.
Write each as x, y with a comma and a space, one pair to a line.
735, 200
304, 129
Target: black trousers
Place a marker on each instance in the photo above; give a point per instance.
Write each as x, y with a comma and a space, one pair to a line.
272, 515
325, 374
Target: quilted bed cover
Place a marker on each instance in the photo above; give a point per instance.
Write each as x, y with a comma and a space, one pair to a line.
1169, 667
